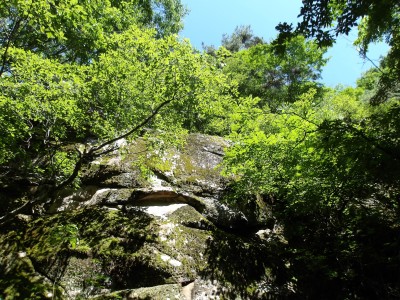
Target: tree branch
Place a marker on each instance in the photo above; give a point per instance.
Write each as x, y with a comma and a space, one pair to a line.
84, 157
10, 215
9, 39
136, 128
87, 156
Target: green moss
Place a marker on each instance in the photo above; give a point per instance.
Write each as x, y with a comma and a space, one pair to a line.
189, 217
19, 279
113, 237
162, 163
188, 172
183, 243
164, 291
172, 158
110, 246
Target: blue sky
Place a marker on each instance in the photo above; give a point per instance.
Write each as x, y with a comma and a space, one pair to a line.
208, 20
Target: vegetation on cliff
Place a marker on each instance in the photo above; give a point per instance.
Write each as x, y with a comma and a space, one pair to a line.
324, 164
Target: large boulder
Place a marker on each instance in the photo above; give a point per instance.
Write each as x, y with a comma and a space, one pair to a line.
133, 176
144, 226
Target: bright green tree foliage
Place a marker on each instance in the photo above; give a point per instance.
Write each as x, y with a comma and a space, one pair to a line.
78, 31
47, 105
329, 170
39, 106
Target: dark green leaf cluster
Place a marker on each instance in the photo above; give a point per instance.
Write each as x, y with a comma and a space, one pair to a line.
241, 38
325, 163
328, 168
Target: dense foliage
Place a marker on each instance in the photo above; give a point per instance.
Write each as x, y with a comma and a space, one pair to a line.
328, 169
61, 109
326, 161
76, 76
78, 31
276, 79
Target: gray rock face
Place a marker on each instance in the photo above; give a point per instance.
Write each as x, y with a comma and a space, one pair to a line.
157, 229
189, 176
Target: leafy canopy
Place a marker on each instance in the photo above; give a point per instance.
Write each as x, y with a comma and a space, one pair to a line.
328, 169
47, 104
323, 162
78, 31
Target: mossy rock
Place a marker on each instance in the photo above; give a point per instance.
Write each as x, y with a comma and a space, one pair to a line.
96, 249
113, 249
189, 217
19, 279
106, 238
100, 251
161, 292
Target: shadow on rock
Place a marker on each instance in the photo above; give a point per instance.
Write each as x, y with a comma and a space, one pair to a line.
245, 267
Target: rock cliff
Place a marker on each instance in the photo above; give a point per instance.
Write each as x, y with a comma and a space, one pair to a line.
146, 225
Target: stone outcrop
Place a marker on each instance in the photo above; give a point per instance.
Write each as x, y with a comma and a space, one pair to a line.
145, 225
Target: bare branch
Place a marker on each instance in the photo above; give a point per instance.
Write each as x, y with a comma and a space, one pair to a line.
10, 215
